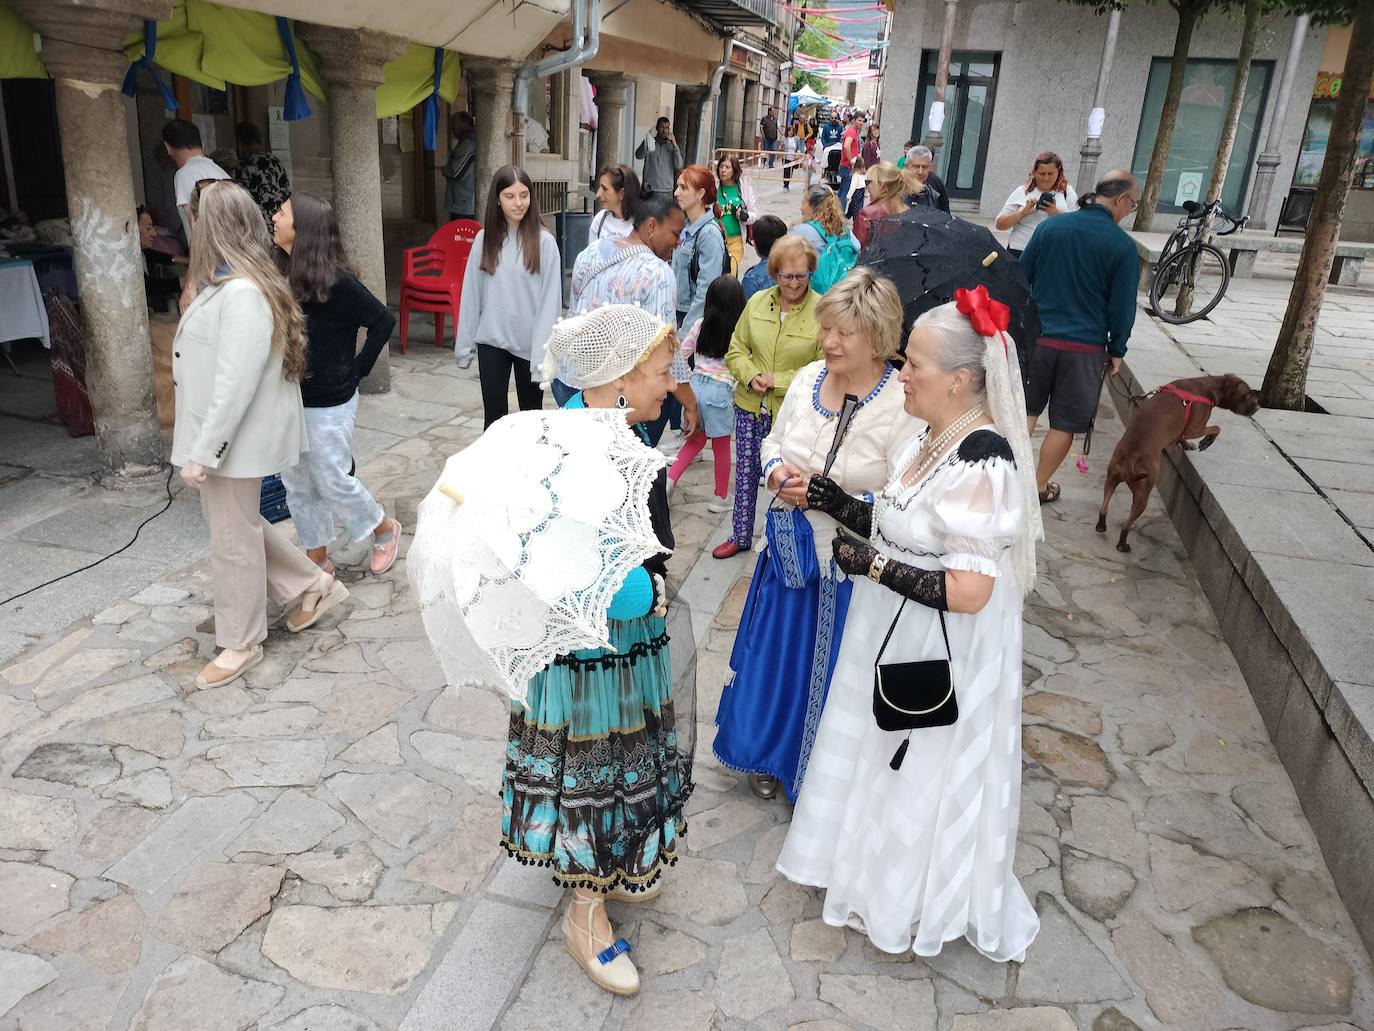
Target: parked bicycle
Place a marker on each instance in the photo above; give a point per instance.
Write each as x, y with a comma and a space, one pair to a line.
1192, 274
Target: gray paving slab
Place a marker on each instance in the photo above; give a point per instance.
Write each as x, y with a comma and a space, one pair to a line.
181, 839
481, 970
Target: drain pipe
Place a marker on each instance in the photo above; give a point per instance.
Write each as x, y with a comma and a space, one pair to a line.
712, 96
586, 41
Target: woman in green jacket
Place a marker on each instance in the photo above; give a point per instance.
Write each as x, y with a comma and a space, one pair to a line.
776, 336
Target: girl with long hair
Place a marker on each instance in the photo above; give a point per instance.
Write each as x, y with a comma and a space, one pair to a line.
701, 255
321, 487
512, 295
713, 385
738, 207
886, 189
617, 191
238, 359
1045, 194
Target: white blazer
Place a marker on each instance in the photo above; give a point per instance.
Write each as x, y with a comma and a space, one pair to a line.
237, 414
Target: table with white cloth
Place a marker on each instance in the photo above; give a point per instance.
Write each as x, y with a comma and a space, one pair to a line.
22, 314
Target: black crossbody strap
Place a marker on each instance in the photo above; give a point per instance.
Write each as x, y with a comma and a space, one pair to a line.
944, 632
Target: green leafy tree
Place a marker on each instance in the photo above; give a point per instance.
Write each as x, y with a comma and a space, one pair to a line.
1285, 381
813, 44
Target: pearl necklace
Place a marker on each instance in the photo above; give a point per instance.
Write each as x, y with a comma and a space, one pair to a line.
933, 450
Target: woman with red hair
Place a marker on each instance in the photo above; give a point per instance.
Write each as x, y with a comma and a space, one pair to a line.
701, 256
1046, 193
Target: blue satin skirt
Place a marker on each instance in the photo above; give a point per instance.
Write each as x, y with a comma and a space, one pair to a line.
783, 657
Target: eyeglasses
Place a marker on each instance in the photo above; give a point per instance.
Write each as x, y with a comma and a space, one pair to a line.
794, 277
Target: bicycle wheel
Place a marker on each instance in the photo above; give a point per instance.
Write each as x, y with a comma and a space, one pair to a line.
1190, 284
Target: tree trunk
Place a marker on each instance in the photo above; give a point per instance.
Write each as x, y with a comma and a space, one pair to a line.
1164, 136
1228, 133
1232, 122
1285, 382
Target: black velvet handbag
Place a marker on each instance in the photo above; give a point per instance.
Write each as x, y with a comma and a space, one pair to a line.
913, 695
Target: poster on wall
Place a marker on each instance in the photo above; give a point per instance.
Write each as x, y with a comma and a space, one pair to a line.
1189, 187
279, 137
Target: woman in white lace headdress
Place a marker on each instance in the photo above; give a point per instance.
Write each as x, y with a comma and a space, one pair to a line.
598, 762
914, 845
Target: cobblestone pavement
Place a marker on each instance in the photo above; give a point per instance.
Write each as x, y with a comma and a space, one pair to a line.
316, 847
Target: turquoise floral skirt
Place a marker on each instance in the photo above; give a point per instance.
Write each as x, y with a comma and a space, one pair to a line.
596, 772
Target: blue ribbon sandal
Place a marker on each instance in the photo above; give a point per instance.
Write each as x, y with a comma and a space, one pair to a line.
607, 963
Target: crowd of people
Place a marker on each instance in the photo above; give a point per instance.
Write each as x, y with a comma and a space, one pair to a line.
875, 680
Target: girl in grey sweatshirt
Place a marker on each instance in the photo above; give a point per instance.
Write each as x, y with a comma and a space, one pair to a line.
512, 295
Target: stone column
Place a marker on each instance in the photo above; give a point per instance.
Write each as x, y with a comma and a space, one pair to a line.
351, 63
81, 49
610, 114
935, 137
1267, 163
1091, 151
492, 82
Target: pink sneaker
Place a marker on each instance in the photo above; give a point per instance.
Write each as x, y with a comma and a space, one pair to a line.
384, 555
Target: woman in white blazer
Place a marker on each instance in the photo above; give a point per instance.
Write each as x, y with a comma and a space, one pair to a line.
237, 362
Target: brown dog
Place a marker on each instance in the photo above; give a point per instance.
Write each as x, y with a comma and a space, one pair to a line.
1177, 413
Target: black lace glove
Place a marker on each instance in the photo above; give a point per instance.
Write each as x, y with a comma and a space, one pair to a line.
924, 586
824, 495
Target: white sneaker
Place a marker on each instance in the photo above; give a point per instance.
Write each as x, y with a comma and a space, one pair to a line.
671, 486
719, 504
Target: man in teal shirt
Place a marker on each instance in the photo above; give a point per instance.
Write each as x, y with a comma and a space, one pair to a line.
1083, 272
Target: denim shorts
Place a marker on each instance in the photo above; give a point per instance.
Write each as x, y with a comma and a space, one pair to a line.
716, 403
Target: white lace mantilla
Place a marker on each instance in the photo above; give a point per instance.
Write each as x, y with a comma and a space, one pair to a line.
554, 516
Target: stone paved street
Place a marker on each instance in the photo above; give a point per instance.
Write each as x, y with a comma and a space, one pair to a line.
315, 848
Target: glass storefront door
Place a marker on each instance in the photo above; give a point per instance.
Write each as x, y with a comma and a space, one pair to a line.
969, 98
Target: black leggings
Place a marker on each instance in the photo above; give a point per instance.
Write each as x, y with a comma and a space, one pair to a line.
494, 367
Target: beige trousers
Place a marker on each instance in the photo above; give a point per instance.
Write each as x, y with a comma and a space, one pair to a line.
250, 560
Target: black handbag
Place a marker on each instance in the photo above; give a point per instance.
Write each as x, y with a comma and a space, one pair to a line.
913, 695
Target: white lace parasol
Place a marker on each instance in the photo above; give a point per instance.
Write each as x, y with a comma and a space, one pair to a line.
528, 533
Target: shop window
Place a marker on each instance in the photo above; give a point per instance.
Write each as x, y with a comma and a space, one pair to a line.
1318, 129
545, 126
1197, 132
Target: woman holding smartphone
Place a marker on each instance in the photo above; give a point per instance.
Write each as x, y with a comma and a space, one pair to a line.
1045, 194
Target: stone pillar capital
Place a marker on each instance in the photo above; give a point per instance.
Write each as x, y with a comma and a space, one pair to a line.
488, 75
610, 87
1268, 161
83, 42
352, 57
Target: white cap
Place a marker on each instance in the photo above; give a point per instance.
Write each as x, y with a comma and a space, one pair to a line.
602, 345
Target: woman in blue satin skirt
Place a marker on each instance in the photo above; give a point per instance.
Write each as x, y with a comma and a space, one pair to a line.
789, 632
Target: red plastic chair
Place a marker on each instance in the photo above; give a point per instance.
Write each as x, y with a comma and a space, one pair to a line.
432, 276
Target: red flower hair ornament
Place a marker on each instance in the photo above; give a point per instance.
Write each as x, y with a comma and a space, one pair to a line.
988, 317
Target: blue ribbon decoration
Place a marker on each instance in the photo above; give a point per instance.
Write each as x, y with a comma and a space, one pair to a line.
432, 103
130, 87
294, 106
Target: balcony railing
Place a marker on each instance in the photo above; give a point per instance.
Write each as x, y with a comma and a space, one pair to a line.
735, 12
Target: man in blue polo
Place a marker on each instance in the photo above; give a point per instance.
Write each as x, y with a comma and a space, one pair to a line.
1083, 272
